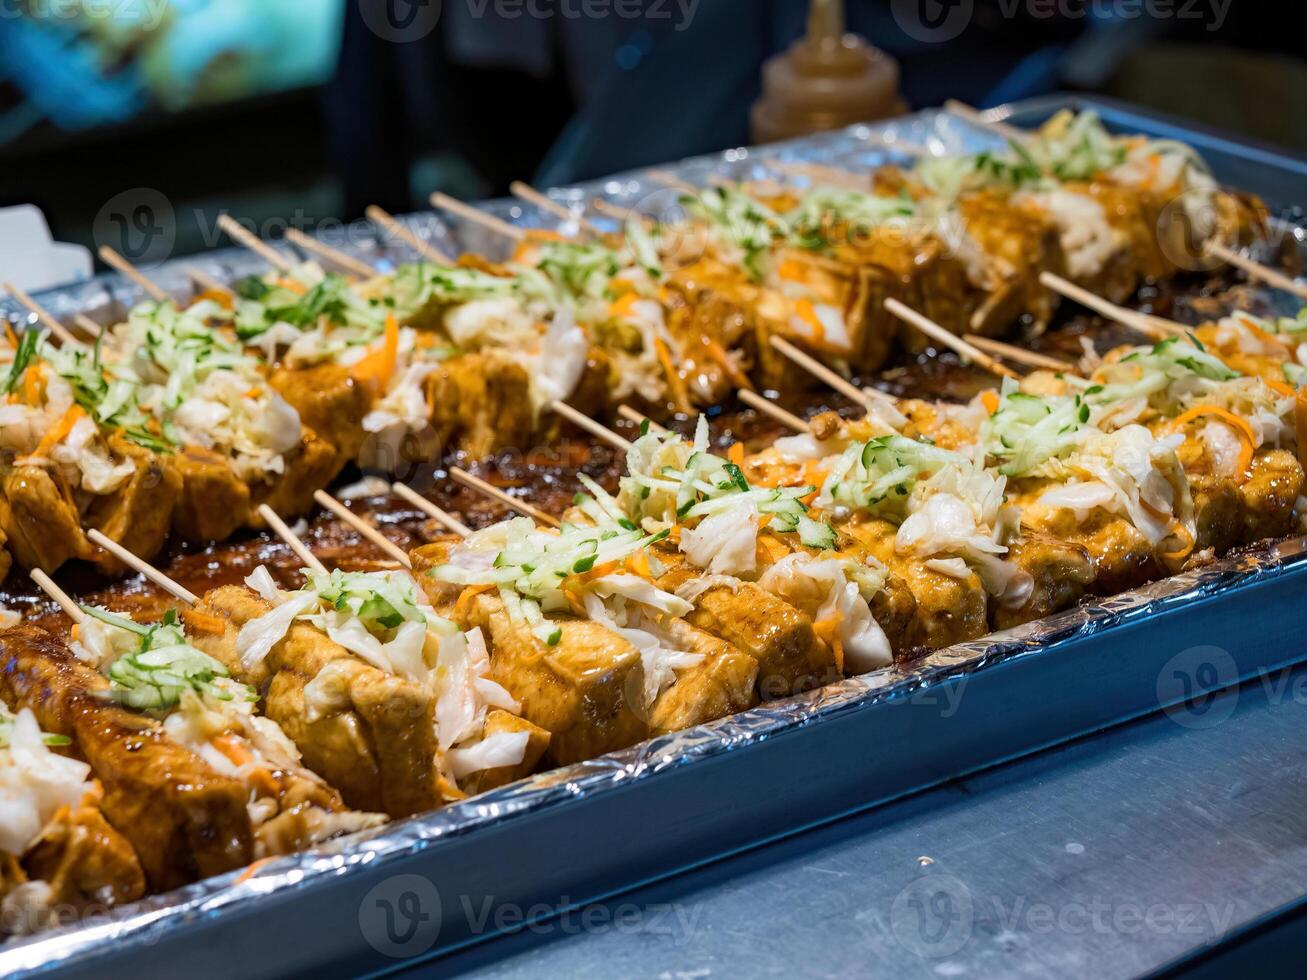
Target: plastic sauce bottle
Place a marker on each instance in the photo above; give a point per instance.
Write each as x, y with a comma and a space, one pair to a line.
826, 80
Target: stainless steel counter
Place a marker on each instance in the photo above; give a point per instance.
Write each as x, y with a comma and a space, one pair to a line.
1166, 841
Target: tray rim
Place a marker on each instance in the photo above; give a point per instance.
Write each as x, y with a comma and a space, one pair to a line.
1164, 597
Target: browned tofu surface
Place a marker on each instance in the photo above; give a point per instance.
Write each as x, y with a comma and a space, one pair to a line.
184, 820
376, 744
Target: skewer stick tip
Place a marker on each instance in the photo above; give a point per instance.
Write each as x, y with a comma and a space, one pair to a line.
443, 517
478, 485
137, 564
363, 527
65, 602
761, 404
293, 540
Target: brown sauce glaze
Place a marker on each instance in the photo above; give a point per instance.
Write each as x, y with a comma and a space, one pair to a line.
546, 475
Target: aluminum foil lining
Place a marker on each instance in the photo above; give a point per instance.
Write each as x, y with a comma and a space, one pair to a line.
107, 297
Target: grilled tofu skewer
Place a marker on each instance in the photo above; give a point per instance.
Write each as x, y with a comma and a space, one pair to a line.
64, 469
593, 690
57, 851
188, 704
367, 731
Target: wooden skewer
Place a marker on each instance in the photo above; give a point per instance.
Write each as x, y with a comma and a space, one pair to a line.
113, 259
788, 419
363, 527
955, 343
333, 255
546, 203
1020, 355
424, 248
175, 589
618, 213
292, 539
668, 179
631, 415
1256, 270
87, 325
244, 237
207, 282
819, 174
821, 371
447, 520
1149, 326
58, 329
978, 118
468, 213
897, 145
61, 598
583, 421
490, 490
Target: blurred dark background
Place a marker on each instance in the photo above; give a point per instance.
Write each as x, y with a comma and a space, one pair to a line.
305, 110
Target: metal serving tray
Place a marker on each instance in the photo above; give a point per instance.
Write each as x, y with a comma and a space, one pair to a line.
558, 840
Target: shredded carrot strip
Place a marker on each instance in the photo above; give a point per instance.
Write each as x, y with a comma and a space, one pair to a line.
233, 748
1154, 170
1266, 338
736, 453
222, 299
733, 373
251, 870
829, 631
814, 475
465, 598
675, 384
262, 779
378, 367
59, 430
253, 393
1280, 388
806, 312
10, 335
623, 305
574, 600
299, 289
213, 625
1180, 531
599, 571
32, 384
1248, 440
792, 270
989, 398
638, 564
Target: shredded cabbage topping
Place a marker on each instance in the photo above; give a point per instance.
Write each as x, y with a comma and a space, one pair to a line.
35, 783
1029, 429
1133, 474
539, 571
151, 667
375, 615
